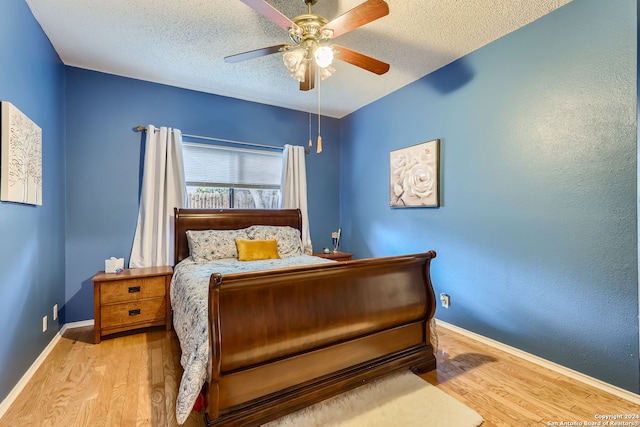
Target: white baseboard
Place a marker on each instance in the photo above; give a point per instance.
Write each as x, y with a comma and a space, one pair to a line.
73, 325
594, 382
13, 395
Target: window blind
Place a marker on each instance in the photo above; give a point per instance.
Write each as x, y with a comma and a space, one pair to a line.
218, 166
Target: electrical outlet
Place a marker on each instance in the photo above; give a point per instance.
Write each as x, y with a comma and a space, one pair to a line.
55, 311
444, 300
44, 324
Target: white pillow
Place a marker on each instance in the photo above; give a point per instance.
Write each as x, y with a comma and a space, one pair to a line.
210, 245
288, 238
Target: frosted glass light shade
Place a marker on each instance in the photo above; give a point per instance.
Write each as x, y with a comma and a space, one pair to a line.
324, 56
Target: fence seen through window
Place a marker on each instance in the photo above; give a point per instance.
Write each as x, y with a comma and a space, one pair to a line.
229, 197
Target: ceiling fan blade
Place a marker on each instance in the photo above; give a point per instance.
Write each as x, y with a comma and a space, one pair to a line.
271, 13
309, 77
360, 60
238, 57
360, 15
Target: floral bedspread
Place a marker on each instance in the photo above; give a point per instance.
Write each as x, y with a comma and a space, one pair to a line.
189, 300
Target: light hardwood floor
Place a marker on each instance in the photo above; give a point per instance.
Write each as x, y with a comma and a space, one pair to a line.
510, 391
132, 380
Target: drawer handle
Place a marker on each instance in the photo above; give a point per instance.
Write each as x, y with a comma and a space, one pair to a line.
134, 289
134, 312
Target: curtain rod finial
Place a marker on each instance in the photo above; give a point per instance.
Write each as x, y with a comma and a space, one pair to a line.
139, 128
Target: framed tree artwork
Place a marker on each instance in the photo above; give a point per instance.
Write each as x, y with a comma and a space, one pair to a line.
414, 176
21, 157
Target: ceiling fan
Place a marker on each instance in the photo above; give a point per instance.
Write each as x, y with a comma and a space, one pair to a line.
311, 35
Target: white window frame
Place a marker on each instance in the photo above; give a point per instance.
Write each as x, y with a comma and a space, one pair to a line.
229, 192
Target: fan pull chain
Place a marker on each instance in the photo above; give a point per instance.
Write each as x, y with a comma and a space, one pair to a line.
319, 150
310, 141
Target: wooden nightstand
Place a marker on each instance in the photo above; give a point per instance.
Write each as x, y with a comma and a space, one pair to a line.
336, 256
134, 298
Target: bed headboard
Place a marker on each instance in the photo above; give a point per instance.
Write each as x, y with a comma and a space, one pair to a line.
227, 219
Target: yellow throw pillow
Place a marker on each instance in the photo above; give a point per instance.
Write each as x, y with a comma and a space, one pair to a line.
254, 250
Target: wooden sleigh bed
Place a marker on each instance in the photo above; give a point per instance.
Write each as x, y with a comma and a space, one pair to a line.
283, 339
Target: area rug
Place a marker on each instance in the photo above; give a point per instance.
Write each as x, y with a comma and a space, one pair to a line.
401, 399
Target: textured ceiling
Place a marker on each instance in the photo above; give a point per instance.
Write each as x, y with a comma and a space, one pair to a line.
183, 42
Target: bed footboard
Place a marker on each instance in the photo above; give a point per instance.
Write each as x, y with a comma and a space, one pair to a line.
285, 339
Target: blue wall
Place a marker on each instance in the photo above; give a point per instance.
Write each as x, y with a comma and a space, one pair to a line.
32, 237
104, 163
536, 236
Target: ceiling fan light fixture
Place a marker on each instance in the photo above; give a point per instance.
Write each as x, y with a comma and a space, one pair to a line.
300, 72
326, 71
295, 60
311, 35
324, 56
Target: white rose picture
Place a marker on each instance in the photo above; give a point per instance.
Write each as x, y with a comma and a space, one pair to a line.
414, 175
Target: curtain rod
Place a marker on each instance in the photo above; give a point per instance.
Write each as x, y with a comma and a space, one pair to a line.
209, 138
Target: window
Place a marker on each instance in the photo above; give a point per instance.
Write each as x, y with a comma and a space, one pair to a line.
227, 177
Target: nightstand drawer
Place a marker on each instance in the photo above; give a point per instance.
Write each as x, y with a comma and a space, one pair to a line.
132, 289
133, 312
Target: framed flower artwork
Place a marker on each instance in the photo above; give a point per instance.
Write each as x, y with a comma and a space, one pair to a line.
414, 176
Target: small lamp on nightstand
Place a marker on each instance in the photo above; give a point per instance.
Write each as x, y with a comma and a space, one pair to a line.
335, 236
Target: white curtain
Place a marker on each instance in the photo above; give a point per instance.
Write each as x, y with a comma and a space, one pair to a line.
294, 188
163, 188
